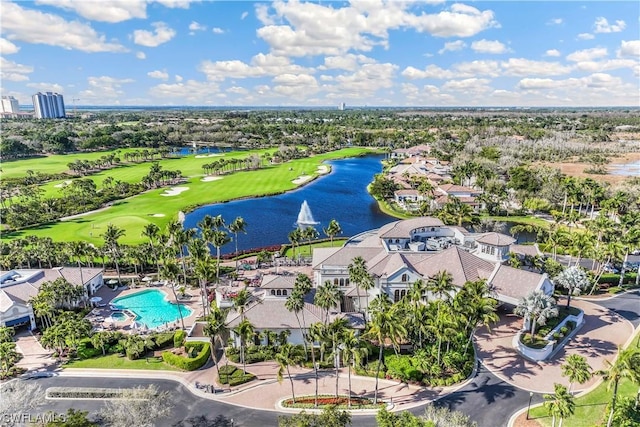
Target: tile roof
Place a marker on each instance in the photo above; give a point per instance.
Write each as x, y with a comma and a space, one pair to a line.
531, 250
515, 283
402, 229
345, 255
496, 239
273, 281
462, 265
271, 313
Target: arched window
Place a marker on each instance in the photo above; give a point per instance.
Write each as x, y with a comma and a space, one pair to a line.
273, 292
346, 281
341, 282
396, 295
278, 292
284, 292
335, 281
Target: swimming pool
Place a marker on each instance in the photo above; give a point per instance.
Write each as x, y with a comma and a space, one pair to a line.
151, 308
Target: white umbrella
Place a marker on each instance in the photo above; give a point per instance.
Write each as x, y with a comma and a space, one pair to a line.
112, 282
146, 279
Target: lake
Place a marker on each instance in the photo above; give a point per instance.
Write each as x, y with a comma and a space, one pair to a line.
341, 195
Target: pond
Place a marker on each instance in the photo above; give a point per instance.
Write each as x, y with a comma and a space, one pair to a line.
341, 195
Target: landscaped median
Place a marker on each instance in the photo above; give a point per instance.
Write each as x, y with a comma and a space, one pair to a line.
197, 355
551, 337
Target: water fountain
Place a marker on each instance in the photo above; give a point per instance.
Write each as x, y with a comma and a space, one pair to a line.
305, 217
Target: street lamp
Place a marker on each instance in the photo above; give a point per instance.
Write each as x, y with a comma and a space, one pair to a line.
529, 407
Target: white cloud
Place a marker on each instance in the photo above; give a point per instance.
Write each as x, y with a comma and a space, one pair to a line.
191, 92
13, 71
141, 55
349, 62
489, 46
610, 64
196, 26
555, 21
244, 15
298, 86
176, 4
367, 80
103, 88
587, 54
33, 26
430, 72
477, 68
217, 30
178, 78
521, 67
602, 26
157, 74
108, 11
160, 35
629, 48
472, 85
238, 90
261, 65
316, 29
552, 52
7, 48
586, 36
452, 46
47, 87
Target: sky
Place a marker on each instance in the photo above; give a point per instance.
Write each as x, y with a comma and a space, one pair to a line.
429, 53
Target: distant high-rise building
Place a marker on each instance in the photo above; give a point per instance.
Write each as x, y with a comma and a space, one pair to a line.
48, 105
342, 106
10, 105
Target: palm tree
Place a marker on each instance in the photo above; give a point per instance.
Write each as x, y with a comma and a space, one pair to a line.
309, 233
295, 304
574, 280
170, 271
245, 331
352, 353
237, 226
334, 332
216, 328
151, 231
294, 237
359, 275
576, 369
332, 230
111, 236
536, 307
441, 284
241, 301
285, 358
626, 365
205, 272
327, 296
560, 405
385, 325
219, 239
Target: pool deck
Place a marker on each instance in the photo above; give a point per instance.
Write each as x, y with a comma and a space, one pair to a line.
99, 314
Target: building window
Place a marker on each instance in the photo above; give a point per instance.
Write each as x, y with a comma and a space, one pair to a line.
273, 292
396, 295
278, 292
405, 277
493, 250
341, 282
284, 292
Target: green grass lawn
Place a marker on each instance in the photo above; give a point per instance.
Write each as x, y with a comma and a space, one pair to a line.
525, 220
114, 361
134, 213
305, 249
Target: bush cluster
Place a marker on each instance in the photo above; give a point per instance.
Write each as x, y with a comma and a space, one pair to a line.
203, 350
178, 338
233, 376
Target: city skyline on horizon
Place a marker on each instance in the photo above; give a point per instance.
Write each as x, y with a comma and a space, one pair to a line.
424, 54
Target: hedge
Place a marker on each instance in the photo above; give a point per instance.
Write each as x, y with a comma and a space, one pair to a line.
614, 279
402, 368
231, 375
189, 363
178, 338
164, 339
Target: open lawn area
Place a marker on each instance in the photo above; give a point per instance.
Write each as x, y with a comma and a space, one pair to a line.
154, 206
115, 361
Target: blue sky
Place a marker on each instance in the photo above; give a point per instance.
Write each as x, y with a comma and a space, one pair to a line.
366, 52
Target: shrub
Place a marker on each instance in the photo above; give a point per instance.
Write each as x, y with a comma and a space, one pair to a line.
164, 339
234, 376
571, 325
116, 349
189, 363
178, 338
401, 367
564, 330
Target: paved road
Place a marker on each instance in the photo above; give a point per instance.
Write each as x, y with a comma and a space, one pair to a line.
626, 305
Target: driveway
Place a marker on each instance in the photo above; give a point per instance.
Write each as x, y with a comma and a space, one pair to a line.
597, 340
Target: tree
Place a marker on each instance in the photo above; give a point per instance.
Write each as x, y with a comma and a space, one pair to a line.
576, 369
245, 331
626, 365
140, 406
332, 230
152, 232
560, 405
327, 297
237, 226
111, 236
216, 328
329, 417
310, 233
73, 418
359, 275
285, 358
19, 397
100, 340
9, 356
170, 272
574, 280
385, 325
295, 237
353, 351
205, 271
536, 307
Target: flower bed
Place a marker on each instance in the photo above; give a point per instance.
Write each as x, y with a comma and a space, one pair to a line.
341, 402
554, 339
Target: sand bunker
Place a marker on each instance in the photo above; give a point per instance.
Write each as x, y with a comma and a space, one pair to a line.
210, 178
301, 179
322, 169
63, 184
202, 156
174, 191
157, 215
